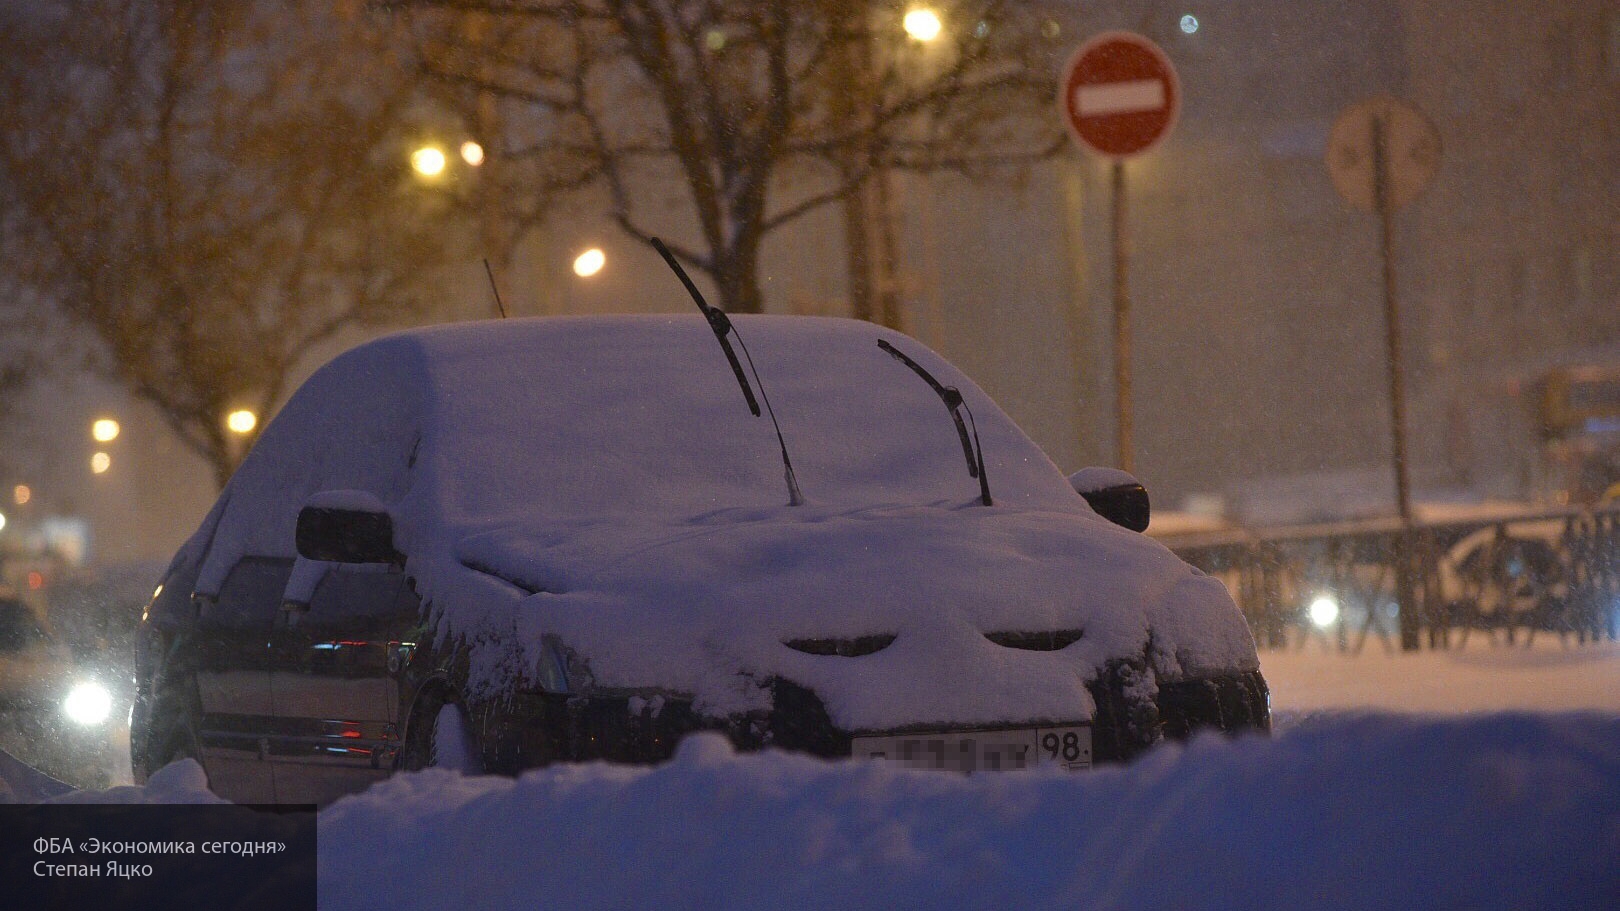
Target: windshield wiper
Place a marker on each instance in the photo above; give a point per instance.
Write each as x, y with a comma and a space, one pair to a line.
952, 398
721, 324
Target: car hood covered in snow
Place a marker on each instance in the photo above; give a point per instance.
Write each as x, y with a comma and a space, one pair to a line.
709, 607
598, 485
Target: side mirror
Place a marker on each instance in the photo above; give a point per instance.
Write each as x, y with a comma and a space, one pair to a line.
1115, 495
346, 526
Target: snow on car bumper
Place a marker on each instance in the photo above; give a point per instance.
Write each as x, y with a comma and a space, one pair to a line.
534, 730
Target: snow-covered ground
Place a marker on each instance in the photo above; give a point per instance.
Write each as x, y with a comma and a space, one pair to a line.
1546, 677
1498, 811
1480, 778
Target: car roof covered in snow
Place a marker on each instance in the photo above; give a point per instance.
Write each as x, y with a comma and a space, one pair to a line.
492, 422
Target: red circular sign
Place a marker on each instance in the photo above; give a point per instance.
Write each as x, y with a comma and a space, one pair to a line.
1120, 94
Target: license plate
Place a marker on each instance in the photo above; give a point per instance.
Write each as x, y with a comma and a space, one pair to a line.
983, 751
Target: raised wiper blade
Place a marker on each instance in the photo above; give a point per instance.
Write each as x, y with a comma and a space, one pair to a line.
718, 321
952, 397
721, 324
953, 401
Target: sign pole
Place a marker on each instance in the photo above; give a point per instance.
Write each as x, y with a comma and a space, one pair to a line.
1124, 443
1120, 96
1405, 594
1381, 152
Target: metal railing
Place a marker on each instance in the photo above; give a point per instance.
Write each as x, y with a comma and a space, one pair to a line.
1504, 579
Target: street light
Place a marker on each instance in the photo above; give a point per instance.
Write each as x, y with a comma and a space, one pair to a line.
104, 430
472, 153
429, 161
100, 462
922, 24
590, 262
21, 494
241, 421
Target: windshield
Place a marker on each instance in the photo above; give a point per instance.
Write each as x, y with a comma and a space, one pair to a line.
644, 416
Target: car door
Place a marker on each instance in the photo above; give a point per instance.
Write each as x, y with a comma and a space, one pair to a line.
233, 677
335, 682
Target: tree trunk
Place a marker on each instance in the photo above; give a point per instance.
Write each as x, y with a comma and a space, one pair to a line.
868, 235
736, 278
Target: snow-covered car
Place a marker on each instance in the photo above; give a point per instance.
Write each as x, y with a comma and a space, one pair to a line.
505, 544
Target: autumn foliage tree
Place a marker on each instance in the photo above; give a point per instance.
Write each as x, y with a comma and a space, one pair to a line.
211, 190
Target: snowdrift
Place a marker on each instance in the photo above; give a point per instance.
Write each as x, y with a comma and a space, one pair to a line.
1504, 811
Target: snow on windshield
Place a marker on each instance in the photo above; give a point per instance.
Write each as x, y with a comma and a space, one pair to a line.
644, 415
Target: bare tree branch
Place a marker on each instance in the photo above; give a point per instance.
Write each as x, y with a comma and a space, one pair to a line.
734, 96
211, 189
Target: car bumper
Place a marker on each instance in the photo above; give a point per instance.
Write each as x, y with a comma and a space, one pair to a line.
534, 730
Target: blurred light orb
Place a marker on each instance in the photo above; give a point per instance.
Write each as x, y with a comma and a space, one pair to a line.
590, 262
715, 38
1324, 611
36, 580
428, 161
922, 24
472, 153
88, 703
2, 521
1189, 24
241, 421
21, 494
100, 462
104, 430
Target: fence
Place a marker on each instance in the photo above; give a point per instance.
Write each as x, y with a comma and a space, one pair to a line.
1503, 579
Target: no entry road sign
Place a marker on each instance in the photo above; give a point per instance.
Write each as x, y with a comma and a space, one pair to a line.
1120, 95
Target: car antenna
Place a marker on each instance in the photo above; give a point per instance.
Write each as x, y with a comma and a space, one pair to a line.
953, 400
491, 273
721, 324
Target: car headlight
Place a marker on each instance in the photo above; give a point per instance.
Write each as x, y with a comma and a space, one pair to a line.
88, 703
1324, 610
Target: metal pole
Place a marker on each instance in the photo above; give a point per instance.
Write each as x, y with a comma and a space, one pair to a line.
1084, 344
1405, 593
1122, 328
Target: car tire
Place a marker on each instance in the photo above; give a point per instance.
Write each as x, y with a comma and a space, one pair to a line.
440, 736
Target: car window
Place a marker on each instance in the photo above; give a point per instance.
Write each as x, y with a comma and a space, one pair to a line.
252, 592
345, 593
18, 628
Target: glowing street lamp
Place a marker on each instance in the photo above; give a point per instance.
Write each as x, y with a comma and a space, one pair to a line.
21, 494
100, 462
429, 161
472, 153
590, 262
241, 421
922, 24
104, 430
